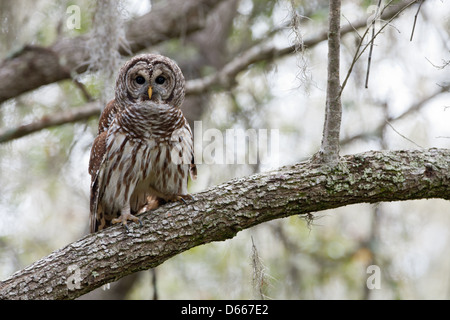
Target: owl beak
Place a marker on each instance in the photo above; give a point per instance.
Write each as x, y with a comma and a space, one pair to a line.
150, 92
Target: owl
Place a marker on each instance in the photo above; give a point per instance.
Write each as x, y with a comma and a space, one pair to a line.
144, 152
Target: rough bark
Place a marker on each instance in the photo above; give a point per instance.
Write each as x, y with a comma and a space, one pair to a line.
329, 150
222, 211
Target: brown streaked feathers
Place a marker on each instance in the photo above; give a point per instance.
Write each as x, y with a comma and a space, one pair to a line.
144, 152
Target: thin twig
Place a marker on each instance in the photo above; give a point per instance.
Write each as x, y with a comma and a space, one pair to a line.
415, 20
406, 138
413, 108
222, 78
445, 63
329, 149
359, 52
220, 212
361, 40
369, 60
83, 90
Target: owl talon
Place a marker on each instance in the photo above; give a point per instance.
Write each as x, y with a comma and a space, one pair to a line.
124, 217
182, 198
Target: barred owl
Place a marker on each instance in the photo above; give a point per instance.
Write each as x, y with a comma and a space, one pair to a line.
144, 151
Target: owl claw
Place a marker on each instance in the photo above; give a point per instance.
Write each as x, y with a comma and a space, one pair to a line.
124, 217
182, 198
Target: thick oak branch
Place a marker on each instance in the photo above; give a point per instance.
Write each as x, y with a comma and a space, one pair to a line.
222, 211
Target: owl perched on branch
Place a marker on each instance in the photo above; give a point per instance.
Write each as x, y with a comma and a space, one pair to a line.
144, 152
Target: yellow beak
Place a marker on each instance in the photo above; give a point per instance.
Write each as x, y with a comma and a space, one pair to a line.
150, 91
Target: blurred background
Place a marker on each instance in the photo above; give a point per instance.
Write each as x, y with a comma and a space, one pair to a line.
46, 132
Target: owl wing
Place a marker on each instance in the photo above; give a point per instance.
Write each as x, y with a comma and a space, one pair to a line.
189, 138
107, 116
96, 162
97, 158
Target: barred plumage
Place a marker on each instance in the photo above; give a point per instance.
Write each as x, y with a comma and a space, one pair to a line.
143, 153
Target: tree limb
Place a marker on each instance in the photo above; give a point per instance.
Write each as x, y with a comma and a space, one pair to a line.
329, 150
35, 66
264, 52
222, 211
393, 14
223, 78
72, 115
374, 133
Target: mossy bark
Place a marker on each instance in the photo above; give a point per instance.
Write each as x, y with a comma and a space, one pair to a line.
222, 211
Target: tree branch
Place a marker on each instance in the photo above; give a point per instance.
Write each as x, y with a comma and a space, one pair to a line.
263, 52
380, 128
393, 14
49, 65
223, 78
222, 211
35, 66
73, 115
329, 150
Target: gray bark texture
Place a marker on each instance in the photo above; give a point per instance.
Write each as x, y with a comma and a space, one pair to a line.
333, 111
220, 212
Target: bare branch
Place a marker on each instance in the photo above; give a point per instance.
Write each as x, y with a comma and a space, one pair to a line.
72, 115
401, 135
56, 62
413, 108
222, 211
369, 59
329, 150
34, 66
415, 20
390, 15
224, 78
29, 69
445, 64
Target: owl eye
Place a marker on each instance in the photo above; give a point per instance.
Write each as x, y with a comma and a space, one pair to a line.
140, 80
160, 80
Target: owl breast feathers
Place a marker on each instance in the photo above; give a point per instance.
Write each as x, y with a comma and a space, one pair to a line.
144, 152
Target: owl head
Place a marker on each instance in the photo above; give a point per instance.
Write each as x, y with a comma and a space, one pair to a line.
150, 77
